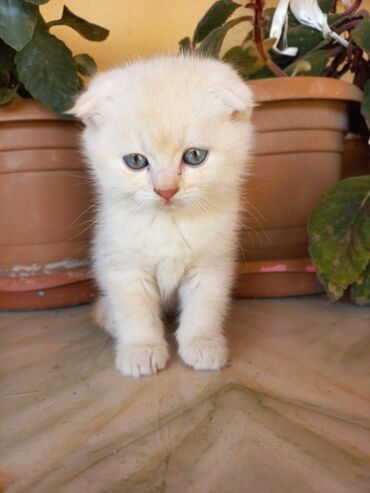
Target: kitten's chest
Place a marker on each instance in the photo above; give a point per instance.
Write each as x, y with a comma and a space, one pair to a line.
168, 242
169, 248
163, 242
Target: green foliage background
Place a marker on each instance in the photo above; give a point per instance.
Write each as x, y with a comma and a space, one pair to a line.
34, 63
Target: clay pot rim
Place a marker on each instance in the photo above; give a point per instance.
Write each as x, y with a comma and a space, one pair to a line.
21, 109
44, 281
293, 88
265, 90
277, 266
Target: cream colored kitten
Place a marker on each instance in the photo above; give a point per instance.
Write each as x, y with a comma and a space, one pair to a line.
168, 140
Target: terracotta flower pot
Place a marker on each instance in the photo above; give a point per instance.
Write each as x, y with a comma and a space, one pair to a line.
356, 158
44, 209
44, 234
300, 128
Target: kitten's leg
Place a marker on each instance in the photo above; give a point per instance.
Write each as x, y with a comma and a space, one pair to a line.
135, 302
204, 298
102, 315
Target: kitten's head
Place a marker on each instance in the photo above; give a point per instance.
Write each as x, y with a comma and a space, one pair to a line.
168, 132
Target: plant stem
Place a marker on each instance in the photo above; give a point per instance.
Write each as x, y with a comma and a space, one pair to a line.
331, 71
355, 6
348, 26
258, 6
52, 23
343, 71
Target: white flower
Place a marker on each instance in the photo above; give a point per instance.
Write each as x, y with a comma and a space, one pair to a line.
308, 13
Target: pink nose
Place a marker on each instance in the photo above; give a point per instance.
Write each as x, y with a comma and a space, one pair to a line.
167, 194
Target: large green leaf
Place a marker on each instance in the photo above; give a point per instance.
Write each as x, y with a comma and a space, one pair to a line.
6, 56
317, 61
17, 22
339, 233
48, 71
211, 46
219, 12
246, 62
361, 35
85, 64
365, 106
90, 31
360, 290
304, 38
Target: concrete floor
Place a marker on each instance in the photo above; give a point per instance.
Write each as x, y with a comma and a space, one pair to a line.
291, 413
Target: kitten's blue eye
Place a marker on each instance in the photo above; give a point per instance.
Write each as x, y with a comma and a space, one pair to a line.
135, 161
194, 156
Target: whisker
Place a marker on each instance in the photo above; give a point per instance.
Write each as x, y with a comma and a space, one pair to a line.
84, 212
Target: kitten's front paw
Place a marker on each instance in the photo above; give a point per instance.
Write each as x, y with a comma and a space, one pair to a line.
141, 360
204, 353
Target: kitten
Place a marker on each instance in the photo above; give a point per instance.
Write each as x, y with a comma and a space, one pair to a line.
167, 140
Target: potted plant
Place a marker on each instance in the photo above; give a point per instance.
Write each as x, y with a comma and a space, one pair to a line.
339, 239
45, 196
301, 120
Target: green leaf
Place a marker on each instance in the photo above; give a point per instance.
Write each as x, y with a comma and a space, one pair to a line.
317, 61
90, 31
185, 45
326, 5
211, 46
47, 70
17, 22
301, 67
304, 38
85, 64
7, 55
244, 61
334, 291
219, 12
247, 61
339, 232
361, 35
365, 105
360, 291
264, 73
7, 94
37, 2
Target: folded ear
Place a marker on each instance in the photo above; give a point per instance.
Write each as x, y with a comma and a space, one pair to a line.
85, 106
239, 98
88, 104
232, 92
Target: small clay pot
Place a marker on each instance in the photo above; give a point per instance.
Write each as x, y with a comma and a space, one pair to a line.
300, 127
356, 158
45, 207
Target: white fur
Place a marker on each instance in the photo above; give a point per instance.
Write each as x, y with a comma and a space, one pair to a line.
146, 250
